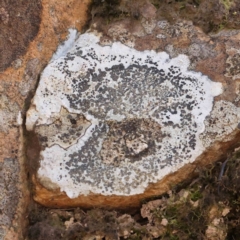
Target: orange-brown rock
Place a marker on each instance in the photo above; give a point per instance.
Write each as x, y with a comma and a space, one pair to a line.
30, 33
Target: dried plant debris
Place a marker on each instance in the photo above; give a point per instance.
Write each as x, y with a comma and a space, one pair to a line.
205, 208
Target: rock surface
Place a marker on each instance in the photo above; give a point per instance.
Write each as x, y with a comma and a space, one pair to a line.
137, 109
30, 34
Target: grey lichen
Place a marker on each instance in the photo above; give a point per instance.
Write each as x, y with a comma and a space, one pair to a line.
224, 120
140, 116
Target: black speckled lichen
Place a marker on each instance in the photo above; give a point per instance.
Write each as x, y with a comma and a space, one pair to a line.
140, 114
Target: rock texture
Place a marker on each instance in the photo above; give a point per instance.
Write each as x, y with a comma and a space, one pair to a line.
31, 31
138, 107
30, 34
131, 118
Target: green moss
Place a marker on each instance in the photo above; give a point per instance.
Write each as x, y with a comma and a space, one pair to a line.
55, 221
195, 194
172, 237
221, 26
227, 3
138, 234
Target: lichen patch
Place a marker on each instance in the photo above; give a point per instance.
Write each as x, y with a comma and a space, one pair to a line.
224, 120
143, 114
64, 131
130, 140
233, 60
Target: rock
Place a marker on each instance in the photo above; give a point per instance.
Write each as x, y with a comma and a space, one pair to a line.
126, 224
156, 232
30, 34
115, 124
217, 228
147, 209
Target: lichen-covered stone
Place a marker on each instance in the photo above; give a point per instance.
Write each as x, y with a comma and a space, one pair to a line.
223, 121
123, 116
145, 114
